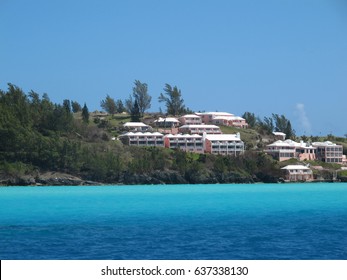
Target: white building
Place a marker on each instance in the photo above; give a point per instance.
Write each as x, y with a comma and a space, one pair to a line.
185, 142
200, 129
143, 139
136, 126
224, 144
167, 122
298, 173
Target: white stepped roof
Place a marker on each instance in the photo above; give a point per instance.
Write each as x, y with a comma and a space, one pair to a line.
190, 116
278, 133
216, 113
199, 126
167, 120
183, 136
231, 118
134, 124
298, 167
141, 134
223, 137
290, 143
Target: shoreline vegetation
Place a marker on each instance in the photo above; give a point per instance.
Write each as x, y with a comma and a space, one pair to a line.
43, 143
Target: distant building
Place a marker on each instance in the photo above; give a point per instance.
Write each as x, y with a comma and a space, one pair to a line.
223, 118
279, 135
167, 122
223, 144
147, 139
136, 126
230, 121
329, 152
185, 142
199, 129
207, 117
284, 150
190, 119
298, 173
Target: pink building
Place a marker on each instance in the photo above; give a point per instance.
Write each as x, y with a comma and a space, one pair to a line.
284, 150
190, 119
185, 142
230, 121
329, 152
223, 144
207, 117
200, 129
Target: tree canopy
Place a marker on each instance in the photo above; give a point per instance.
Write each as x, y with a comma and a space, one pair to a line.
140, 93
109, 105
173, 100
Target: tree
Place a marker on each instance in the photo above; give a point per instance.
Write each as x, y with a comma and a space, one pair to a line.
67, 105
120, 106
140, 93
85, 113
281, 123
173, 100
76, 107
129, 104
266, 125
109, 105
250, 119
135, 112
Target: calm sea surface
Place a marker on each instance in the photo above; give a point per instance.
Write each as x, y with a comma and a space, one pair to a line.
279, 221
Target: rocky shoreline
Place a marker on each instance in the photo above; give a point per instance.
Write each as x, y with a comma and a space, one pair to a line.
156, 178
46, 179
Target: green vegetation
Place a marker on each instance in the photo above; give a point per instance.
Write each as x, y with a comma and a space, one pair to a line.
38, 136
173, 100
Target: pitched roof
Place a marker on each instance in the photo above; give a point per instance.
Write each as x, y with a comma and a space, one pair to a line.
298, 167
134, 124
223, 137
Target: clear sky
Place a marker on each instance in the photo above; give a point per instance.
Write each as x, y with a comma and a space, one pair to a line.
281, 56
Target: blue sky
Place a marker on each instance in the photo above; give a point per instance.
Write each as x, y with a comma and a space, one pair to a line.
286, 56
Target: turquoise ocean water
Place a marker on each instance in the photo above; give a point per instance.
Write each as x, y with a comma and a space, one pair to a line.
277, 221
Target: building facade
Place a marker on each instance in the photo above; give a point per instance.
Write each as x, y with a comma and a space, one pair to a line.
199, 129
296, 173
145, 139
167, 122
284, 150
136, 126
207, 117
230, 121
186, 142
190, 119
329, 152
223, 144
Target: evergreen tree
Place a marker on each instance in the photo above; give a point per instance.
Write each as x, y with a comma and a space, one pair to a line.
67, 105
76, 107
250, 119
129, 104
85, 113
109, 105
135, 112
140, 93
120, 106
